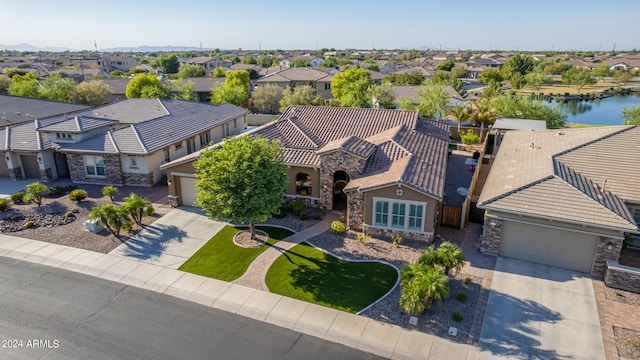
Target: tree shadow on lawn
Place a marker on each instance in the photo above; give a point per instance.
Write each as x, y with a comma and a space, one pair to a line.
516, 333
152, 241
349, 286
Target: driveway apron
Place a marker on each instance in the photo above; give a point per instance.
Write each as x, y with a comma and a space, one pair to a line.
538, 311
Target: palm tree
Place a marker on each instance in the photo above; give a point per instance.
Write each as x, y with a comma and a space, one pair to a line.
450, 257
137, 207
429, 257
110, 191
33, 193
459, 113
421, 284
112, 217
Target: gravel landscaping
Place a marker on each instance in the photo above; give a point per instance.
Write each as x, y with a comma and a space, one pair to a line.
627, 342
625, 297
51, 225
438, 318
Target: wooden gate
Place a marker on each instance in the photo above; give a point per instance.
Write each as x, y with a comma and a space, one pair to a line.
451, 216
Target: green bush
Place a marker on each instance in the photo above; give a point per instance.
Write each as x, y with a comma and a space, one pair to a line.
457, 317
77, 195
28, 224
298, 206
469, 137
69, 214
462, 296
5, 204
282, 210
55, 191
468, 280
338, 227
317, 216
362, 237
17, 197
397, 239
304, 215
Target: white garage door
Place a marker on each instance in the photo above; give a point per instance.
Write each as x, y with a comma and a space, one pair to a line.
565, 249
188, 190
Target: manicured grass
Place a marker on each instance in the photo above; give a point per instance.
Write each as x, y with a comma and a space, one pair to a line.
221, 259
308, 274
580, 126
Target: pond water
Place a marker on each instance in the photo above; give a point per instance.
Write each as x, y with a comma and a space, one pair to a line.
607, 111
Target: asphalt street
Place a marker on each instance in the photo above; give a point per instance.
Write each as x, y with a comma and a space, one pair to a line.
48, 313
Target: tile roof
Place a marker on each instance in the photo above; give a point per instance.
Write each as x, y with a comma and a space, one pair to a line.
297, 74
16, 110
78, 124
561, 174
399, 147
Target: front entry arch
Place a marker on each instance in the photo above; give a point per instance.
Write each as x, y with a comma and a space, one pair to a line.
340, 181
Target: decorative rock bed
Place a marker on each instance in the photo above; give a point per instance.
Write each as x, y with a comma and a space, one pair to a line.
244, 240
16, 222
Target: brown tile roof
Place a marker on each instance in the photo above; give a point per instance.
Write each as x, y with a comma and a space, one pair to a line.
545, 174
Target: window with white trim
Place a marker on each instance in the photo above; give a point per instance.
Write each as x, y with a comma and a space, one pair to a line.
205, 139
167, 157
94, 165
398, 214
133, 162
191, 145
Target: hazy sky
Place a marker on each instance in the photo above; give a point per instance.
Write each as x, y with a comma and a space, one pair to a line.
362, 24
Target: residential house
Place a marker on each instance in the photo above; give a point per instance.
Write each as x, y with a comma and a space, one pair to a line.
412, 92
563, 197
125, 143
204, 85
624, 64
386, 168
111, 63
318, 78
316, 62
285, 63
209, 64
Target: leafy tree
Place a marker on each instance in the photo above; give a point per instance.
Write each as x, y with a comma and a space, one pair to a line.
491, 74
243, 180
5, 82
622, 77
189, 70
631, 115
10, 72
137, 207
538, 78
481, 113
94, 93
527, 108
445, 78
518, 64
373, 67
491, 90
186, 89
300, 95
460, 72
459, 113
357, 94
557, 68
25, 85
347, 87
602, 71
446, 65
109, 191
113, 217
433, 101
421, 285
411, 78
382, 96
517, 81
168, 62
265, 61
146, 86
137, 70
267, 98
34, 192
55, 88
218, 72
578, 78
405, 103
117, 74
237, 78
299, 63
249, 59
236, 95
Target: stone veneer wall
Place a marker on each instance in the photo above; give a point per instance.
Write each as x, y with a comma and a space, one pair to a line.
389, 233
15, 173
603, 254
46, 175
491, 236
329, 164
309, 200
622, 277
112, 165
138, 179
355, 210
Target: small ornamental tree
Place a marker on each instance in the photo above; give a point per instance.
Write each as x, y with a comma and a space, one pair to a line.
242, 180
110, 191
34, 192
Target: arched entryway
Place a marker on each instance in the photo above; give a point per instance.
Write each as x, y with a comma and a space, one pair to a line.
340, 181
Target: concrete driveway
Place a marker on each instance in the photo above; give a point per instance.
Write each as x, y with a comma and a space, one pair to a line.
538, 311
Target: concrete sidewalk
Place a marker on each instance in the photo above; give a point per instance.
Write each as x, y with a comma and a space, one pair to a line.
172, 239
348, 329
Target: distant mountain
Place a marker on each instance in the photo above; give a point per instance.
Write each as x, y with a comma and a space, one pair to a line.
28, 47
150, 48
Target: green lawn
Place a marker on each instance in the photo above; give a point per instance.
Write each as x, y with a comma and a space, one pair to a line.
308, 274
221, 259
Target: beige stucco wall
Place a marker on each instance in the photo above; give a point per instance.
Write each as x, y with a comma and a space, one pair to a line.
409, 195
315, 178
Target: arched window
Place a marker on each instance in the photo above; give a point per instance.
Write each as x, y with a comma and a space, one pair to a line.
303, 184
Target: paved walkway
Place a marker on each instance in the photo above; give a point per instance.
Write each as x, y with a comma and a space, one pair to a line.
172, 239
255, 275
348, 329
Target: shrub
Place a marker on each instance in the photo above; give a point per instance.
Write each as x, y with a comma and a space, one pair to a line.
304, 214
55, 191
317, 216
17, 197
280, 213
397, 239
5, 204
77, 195
28, 224
362, 237
468, 280
298, 206
13, 217
457, 317
34, 193
469, 137
69, 214
338, 227
462, 296
110, 191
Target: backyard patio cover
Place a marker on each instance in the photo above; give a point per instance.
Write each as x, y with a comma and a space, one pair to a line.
519, 124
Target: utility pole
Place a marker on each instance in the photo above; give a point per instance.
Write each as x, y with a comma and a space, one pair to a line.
95, 44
